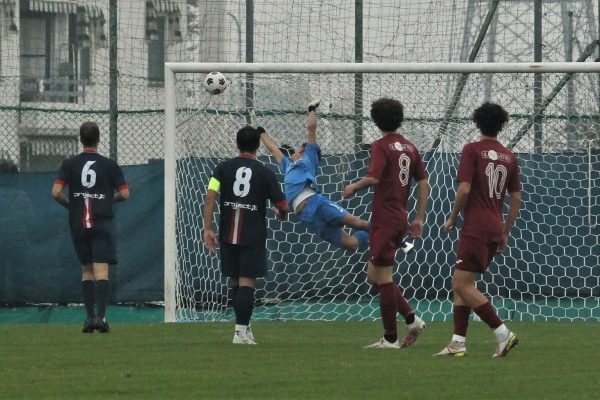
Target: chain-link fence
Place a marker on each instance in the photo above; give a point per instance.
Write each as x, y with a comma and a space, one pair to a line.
57, 68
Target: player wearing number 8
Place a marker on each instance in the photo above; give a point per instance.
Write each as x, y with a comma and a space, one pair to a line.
244, 185
395, 162
95, 182
486, 172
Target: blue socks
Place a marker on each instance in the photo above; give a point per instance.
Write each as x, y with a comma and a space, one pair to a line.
363, 239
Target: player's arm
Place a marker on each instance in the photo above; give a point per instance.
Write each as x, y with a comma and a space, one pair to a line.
462, 195
270, 144
513, 213
311, 121
416, 226
122, 193
361, 184
210, 201
58, 195
281, 210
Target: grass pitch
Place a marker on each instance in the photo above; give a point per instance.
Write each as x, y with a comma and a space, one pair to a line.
294, 360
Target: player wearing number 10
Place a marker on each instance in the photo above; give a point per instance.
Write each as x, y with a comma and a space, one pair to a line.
95, 182
245, 185
487, 170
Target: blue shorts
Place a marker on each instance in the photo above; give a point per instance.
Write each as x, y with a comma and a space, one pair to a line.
324, 218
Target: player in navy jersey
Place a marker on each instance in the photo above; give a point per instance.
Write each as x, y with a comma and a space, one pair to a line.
244, 185
94, 182
486, 172
319, 214
395, 163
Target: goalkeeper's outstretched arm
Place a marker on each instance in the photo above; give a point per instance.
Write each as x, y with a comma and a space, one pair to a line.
311, 121
270, 144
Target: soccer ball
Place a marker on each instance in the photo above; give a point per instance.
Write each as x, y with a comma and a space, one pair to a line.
215, 83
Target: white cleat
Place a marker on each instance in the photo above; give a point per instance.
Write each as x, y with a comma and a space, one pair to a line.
454, 349
412, 332
239, 339
383, 344
249, 334
503, 347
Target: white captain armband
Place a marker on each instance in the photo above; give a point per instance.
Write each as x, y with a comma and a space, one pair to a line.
214, 184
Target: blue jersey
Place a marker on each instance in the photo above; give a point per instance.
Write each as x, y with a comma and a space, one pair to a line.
301, 173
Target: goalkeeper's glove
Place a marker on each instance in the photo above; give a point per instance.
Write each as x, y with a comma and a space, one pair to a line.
312, 106
260, 129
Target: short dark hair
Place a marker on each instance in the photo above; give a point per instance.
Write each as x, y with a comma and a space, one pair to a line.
89, 134
490, 118
248, 139
8, 166
387, 114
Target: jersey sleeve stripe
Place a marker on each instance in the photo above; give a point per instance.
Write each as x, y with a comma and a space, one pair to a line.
214, 184
123, 187
60, 182
281, 204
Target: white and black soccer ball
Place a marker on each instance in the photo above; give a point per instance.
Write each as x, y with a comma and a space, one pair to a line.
215, 83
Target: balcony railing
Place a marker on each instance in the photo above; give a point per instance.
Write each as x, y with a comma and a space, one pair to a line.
58, 90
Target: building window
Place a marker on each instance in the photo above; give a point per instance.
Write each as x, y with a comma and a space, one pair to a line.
162, 28
56, 47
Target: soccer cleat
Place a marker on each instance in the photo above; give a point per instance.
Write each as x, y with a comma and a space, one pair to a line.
503, 347
89, 325
454, 349
314, 104
383, 344
239, 339
102, 325
249, 334
412, 332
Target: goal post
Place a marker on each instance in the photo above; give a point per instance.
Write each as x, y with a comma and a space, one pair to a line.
549, 271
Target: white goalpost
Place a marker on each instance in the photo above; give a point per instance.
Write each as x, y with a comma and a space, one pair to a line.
550, 271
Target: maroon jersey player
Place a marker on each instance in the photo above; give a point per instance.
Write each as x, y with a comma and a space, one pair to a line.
395, 163
486, 172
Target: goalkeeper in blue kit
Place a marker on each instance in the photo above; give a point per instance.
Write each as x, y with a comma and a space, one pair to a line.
319, 214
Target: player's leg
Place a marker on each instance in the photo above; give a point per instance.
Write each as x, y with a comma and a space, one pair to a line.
355, 222
88, 285
104, 252
102, 294
88, 291
474, 256
331, 216
253, 265
388, 306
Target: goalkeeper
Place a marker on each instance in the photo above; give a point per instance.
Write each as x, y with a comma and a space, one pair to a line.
320, 215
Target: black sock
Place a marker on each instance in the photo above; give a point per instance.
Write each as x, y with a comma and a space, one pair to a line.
390, 338
101, 297
244, 305
88, 289
234, 292
410, 318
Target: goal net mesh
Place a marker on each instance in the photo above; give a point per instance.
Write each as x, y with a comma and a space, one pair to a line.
551, 268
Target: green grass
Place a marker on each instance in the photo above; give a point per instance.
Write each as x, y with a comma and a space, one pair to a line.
298, 360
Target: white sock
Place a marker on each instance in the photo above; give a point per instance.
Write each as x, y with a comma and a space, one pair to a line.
241, 330
501, 333
459, 339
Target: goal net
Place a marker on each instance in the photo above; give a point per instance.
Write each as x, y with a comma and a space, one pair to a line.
551, 268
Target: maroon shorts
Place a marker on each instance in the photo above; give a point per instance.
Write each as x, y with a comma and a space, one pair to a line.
475, 254
383, 243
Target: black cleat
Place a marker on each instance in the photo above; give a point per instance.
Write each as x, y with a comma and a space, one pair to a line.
102, 325
89, 325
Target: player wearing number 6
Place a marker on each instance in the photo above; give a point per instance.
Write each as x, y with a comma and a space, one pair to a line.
395, 163
245, 185
486, 172
95, 182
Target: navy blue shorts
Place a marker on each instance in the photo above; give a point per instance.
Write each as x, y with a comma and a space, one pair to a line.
95, 244
244, 261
